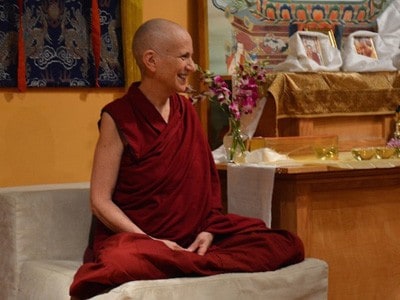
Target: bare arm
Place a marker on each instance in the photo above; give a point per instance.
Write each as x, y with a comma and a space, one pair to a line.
104, 176
106, 163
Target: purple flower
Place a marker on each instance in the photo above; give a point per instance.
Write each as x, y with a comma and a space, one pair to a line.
395, 143
245, 94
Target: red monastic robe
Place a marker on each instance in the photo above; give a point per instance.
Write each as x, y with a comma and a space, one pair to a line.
169, 186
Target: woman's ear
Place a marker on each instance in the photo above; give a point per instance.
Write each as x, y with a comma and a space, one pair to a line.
150, 59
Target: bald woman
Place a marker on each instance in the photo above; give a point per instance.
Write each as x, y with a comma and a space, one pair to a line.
155, 191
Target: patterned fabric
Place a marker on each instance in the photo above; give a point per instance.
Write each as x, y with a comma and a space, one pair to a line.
8, 42
58, 42
349, 12
344, 93
111, 71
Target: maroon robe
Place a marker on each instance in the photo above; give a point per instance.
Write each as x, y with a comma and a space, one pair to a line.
168, 186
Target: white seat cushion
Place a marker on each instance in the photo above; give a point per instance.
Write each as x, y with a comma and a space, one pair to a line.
307, 280
46, 279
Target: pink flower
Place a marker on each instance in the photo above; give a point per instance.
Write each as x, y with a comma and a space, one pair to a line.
395, 143
245, 95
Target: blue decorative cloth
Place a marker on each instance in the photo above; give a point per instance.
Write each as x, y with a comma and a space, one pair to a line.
8, 43
58, 43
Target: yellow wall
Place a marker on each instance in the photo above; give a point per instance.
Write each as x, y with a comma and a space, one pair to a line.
175, 10
48, 135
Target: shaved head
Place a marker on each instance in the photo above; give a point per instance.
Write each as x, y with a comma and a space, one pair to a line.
157, 35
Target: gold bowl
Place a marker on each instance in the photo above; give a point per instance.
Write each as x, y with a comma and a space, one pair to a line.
326, 153
363, 153
384, 152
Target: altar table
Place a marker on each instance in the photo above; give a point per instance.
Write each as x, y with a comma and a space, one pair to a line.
358, 107
348, 217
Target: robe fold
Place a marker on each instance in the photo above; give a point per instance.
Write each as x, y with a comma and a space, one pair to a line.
168, 185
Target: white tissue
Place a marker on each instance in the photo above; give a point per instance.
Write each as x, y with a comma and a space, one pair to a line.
219, 155
264, 155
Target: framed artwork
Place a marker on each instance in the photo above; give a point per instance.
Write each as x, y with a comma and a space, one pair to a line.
364, 45
312, 48
329, 33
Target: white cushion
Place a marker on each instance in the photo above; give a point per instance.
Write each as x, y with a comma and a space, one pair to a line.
44, 222
50, 280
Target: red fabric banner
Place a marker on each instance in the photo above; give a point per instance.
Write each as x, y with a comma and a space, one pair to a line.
21, 71
96, 38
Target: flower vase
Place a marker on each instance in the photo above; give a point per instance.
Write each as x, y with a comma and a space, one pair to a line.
235, 142
397, 153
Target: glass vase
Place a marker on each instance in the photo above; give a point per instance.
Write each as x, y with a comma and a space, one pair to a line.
235, 142
397, 153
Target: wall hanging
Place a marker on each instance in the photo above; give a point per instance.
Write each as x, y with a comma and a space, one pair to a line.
63, 43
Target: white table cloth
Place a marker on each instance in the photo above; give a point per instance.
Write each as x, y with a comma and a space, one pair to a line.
250, 188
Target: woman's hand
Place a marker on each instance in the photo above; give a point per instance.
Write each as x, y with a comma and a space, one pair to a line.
201, 243
170, 244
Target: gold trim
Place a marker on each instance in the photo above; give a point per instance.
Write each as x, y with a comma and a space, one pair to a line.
131, 18
332, 38
328, 32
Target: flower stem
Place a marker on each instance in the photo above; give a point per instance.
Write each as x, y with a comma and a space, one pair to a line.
238, 144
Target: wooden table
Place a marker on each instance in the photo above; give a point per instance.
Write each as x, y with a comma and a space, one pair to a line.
349, 218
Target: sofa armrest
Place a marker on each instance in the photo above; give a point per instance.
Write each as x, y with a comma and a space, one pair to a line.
41, 223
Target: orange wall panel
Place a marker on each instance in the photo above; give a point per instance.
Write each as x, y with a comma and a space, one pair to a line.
49, 135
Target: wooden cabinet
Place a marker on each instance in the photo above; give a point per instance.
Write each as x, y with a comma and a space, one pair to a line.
350, 219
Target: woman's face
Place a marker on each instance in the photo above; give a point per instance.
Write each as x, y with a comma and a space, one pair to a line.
175, 62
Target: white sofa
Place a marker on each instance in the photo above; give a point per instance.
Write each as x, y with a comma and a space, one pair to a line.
44, 232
